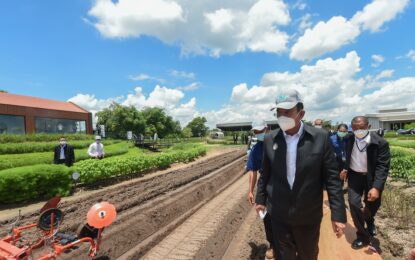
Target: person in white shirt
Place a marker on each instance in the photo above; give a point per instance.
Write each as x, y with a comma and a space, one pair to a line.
367, 163
96, 149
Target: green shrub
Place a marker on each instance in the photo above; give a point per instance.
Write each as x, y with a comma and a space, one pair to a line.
33, 147
14, 138
403, 163
34, 182
95, 170
44, 181
17, 160
402, 143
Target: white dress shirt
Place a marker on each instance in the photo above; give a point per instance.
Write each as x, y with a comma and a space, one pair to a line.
96, 149
62, 154
291, 159
358, 158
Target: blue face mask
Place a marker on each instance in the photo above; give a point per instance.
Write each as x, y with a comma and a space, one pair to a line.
341, 134
260, 137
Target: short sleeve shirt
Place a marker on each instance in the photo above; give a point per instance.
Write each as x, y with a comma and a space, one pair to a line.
255, 157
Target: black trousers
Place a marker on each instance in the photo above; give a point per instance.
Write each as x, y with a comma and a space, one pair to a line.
296, 242
61, 161
358, 187
268, 230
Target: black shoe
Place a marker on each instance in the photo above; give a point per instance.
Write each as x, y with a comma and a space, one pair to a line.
371, 228
359, 243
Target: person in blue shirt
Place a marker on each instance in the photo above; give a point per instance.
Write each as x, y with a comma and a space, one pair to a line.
253, 166
339, 141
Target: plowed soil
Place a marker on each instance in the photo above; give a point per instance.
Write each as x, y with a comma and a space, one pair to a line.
147, 206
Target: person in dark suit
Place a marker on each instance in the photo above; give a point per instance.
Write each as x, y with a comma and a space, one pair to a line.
368, 162
298, 162
64, 153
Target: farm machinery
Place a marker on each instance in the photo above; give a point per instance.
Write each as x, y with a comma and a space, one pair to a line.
15, 246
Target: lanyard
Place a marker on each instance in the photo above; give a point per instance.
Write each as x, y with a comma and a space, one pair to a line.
363, 149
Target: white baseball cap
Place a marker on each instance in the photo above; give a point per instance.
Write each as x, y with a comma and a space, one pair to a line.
97, 137
259, 125
288, 99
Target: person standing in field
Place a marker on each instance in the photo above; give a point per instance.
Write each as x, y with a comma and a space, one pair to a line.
64, 153
367, 167
96, 149
254, 166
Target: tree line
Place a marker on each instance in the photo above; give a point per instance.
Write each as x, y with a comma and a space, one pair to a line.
119, 119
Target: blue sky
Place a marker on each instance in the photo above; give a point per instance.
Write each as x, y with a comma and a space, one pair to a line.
229, 53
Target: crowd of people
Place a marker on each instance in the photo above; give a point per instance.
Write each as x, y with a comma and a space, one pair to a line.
297, 163
64, 153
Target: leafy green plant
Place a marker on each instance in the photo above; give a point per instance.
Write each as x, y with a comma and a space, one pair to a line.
34, 182
44, 181
94, 170
402, 143
403, 163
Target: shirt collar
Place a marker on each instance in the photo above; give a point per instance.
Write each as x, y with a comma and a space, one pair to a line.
366, 139
298, 134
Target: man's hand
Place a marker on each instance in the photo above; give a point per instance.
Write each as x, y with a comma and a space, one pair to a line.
343, 175
259, 208
251, 198
373, 194
338, 228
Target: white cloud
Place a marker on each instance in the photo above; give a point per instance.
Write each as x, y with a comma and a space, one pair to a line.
305, 22
142, 77
185, 112
331, 89
338, 31
378, 12
198, 27
182, 74
378, 59
163, 97
376, 81
411, 55
91, 103
192, 86
129, 18
384, 74
300, 5
324, 37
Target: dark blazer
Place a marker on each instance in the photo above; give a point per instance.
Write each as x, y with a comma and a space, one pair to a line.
316, 167
69, 155
378, 160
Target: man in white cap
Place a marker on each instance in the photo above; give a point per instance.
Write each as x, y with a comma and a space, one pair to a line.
96, 149
298, 162
253, 166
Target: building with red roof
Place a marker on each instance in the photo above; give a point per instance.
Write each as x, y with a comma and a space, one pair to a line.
23, 114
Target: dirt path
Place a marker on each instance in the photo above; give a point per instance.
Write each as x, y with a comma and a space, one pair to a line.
206, 234
250, 242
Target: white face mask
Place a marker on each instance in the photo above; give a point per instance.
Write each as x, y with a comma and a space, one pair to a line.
286, 123
318, 126
361, 133
260, 137
63, 142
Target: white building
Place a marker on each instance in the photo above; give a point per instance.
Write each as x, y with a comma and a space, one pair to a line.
391, 119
